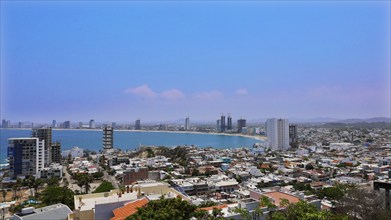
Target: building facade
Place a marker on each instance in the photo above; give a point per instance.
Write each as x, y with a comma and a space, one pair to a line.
67, 124
46, 135
241, 125
222, 123
229, 123
292, 135
56, 152
92, 124
26, 156
277, 131
108, 138
218, 125
135, 174
137, 125
187, 124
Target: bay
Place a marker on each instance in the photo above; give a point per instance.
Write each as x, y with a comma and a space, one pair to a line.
129, 140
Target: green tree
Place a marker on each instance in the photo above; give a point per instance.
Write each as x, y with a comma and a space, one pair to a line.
165, 209
4, 194
266, 202
84, 180
207, 204
302, 210
53, 181
217, 213
55, 194
105, 186
98, 175
244, 213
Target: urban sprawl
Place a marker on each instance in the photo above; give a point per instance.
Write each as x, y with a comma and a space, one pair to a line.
295, 171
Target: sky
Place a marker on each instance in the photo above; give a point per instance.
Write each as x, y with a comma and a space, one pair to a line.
157, 60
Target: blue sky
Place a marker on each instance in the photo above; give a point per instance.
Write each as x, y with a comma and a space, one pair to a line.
121, 61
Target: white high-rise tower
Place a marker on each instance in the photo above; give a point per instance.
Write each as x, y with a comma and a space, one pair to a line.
277, 131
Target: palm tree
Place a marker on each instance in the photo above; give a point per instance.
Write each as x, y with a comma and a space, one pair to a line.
84, 180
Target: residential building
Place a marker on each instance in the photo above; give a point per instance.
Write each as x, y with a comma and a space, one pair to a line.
229, 122
218, 125
54, 170
292, 134
67, 124
56, 152
54, 124
92, 124
277, 131
26, 156
46, 135
137, 125
241, 125
5, 123
222, 123
72, 153
108, 138
187, 124
53, 212
135, 174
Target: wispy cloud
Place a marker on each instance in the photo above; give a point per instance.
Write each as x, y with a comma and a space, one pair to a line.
209, 96
143, 91
241, 91
172, 94
146, 92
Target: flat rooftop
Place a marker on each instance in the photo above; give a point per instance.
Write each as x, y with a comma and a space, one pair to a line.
89, 201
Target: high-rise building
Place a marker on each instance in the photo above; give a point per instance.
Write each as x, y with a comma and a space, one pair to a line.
56, 152
187, 124
241, 125
46, 135
26, 156
222, 123
54, 124
218, 125
80, 125
67, 124
108, 138
137, 124
5, 123
92, 124
229, 122
19, 124
277, 131
114, 125
292, 135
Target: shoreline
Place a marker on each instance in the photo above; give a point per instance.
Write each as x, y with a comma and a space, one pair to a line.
258, 137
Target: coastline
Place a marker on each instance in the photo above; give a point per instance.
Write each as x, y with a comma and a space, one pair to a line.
258, 137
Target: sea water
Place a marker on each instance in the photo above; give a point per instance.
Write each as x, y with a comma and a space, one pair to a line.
129, 140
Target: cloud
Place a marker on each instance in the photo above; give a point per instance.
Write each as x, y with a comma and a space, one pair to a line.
143, 91
172, 94
241, 92
208, 96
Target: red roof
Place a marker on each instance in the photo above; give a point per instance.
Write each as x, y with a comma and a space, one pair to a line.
128, 209
214, 207
278, 196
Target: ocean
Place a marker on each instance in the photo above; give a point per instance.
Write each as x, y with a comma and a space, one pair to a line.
129, 140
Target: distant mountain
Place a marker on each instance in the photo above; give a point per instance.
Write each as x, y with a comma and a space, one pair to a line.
368, 120
313, 120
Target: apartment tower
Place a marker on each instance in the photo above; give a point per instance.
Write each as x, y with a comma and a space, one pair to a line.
277, 131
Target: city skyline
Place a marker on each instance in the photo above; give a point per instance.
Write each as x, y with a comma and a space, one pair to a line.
120, 61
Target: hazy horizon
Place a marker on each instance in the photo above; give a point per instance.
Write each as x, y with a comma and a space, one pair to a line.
120, 61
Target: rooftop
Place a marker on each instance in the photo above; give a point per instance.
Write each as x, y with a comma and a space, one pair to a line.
129, 209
